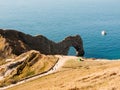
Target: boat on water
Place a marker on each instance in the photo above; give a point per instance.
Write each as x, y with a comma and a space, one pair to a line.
103, 33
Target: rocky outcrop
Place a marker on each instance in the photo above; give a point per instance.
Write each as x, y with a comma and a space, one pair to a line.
26, 65
14, 43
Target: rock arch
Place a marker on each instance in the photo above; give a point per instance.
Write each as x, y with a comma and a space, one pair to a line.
14, 43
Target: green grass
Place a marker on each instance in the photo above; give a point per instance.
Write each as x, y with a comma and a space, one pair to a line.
30, 73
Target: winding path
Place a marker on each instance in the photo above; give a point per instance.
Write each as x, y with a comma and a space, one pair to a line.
59, 64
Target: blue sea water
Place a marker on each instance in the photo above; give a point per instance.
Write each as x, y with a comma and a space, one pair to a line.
57, 19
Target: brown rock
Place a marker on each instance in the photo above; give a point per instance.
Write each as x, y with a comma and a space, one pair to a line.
14, 43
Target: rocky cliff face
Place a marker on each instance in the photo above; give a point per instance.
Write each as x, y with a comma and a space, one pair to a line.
26, 65
14, 43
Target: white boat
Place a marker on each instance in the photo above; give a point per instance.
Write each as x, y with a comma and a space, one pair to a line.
103, 33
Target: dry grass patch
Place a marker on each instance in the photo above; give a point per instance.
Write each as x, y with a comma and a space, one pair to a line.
78, 75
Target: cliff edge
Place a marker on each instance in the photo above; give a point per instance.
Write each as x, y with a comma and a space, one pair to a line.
14, 43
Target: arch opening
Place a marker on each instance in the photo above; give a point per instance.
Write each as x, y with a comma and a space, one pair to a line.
72, 51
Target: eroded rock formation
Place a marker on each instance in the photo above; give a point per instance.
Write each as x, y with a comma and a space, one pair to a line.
14, 43
26, 65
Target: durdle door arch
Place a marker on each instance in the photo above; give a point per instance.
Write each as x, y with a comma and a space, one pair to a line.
18, 43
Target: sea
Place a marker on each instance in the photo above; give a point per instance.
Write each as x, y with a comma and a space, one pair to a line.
57, 19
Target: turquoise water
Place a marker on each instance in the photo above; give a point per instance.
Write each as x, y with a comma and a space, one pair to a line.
57, 19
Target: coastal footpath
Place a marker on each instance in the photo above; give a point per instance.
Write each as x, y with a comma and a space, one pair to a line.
73, 74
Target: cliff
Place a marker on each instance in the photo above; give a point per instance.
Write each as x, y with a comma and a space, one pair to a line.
14, 43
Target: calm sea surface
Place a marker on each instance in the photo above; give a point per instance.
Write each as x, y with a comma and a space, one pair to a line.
57, 19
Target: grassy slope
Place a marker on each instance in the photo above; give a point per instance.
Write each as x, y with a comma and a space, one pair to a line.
78, 75
34, 64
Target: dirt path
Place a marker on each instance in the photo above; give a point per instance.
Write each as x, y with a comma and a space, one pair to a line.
99, 74
59, 64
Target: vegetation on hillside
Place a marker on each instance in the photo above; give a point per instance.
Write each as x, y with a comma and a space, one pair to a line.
25, 66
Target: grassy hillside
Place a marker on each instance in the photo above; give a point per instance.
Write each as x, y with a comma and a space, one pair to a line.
79, 75
25, 66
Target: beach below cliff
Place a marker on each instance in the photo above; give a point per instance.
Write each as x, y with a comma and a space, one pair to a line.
77, 73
